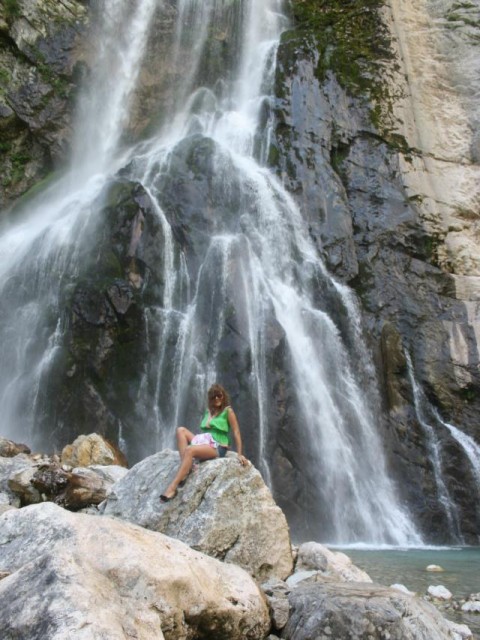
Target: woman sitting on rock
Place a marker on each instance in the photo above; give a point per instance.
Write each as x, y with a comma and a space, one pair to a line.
213, 442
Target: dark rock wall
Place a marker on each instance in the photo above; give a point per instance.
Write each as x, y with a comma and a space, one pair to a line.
40, 71
337, 150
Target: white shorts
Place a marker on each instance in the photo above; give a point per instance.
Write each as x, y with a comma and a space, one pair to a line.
204, 438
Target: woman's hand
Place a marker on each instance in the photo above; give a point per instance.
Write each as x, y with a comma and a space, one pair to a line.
233, 422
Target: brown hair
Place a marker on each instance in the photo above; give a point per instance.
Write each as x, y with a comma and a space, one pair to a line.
217, 388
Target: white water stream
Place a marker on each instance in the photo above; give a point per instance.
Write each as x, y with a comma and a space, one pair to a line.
467, 444
259, 261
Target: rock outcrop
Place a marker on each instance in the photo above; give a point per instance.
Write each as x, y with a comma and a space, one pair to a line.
387, 178
78, 576
40, 68
30, 479
9, 449
313, 556
90, 450
347, 610
224, 510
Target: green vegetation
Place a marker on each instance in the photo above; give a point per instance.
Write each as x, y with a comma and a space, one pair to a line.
60, 85
469, 393
4, 79
18, 162
354, 44
350, 36
12, 8
429, 246
337, 157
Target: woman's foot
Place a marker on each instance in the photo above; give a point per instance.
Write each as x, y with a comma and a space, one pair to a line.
166, 498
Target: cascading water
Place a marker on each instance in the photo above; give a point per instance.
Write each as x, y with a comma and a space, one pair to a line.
241, 277
42, 252
431, 421
433, 444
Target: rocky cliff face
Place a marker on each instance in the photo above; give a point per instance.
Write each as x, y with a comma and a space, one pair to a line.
375, 136
376, 139
40, 70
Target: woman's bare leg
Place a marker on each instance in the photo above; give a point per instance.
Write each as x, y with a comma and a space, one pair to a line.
200, 452
184, 437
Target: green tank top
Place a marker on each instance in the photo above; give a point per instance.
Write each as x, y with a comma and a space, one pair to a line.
219, 427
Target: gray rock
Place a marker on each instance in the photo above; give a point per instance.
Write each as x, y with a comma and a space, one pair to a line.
304, 576
314, 560
39, 52
4, 507
77, 489
411, 253
80, 577
111, 473
224, 510
311, 557
439, 592
347, 611
20, 484
276, 592
11, 466
279, 611
9, 449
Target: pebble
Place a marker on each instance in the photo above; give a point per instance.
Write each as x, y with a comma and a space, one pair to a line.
439, 592
471, 606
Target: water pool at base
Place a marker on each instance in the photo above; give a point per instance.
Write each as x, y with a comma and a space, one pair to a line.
461, 573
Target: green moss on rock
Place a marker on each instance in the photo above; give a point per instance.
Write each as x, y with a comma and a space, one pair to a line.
353, 44
11, 8
350, 35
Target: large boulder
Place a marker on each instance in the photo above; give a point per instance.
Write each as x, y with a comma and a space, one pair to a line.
10, 449
313, 556
360, 611
92, 449
224, 510
77, 576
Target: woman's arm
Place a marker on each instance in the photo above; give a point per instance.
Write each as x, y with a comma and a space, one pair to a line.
233, 422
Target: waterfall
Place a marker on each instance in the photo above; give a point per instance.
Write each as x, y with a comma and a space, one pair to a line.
435, 457
238, 277
42, 250
468, 445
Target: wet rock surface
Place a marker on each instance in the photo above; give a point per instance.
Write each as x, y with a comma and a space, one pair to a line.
348, 166
40, 68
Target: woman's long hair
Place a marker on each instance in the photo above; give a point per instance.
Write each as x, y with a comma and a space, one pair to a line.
214, 389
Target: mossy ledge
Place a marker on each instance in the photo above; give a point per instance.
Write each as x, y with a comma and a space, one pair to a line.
350, 36
354, 44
